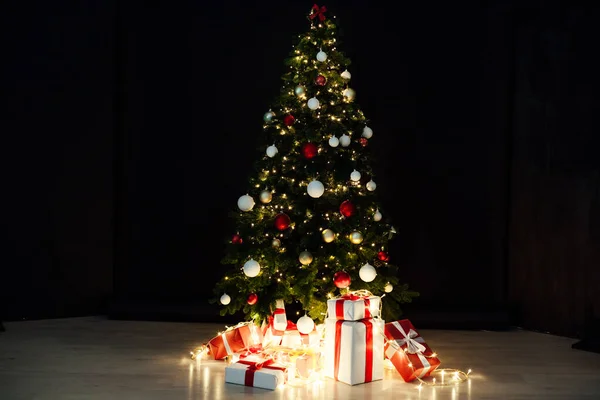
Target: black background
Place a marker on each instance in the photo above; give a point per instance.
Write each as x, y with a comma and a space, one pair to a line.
128, 127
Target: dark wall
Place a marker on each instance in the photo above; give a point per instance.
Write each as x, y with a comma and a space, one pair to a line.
555, 218
484, 136
57, 152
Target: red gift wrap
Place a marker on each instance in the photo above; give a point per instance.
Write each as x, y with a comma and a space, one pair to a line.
407, 350
243, 336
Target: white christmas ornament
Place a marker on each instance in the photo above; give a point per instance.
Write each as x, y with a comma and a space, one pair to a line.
388, 288
321, 56
272, 151
345, 140
334, 141
305, 257
346, 75
367, 132
268, 117
266, 196
371, 185
245, 203
377, 216
315, 189
349, 94
355, 176
328, 236
225, 299
367, 272
305, 325
251, 268
313, 103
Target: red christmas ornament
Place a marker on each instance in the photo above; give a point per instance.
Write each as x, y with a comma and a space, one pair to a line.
282, 222
321, 80
236, 239
383, 256
252, 298
309, 150
347, 209
341, 279
364, 141
289, 120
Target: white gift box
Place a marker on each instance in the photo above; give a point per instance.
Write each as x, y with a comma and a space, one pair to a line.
354, 350
250, 372
279, 317
295, 339
354, 308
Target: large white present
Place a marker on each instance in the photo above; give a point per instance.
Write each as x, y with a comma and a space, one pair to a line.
353, 350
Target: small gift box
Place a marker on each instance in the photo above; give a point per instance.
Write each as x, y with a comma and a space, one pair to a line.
279, 317
272, 336
243, 336
294, 339
407, 350
353, 350
256, 371
354, 307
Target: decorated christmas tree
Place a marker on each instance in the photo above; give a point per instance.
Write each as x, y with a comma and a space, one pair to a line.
309, 226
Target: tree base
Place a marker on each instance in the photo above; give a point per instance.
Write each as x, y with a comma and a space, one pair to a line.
2, 327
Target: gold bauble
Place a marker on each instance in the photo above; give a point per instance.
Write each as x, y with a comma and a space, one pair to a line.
266, 196
328, 236
356, 237
305, 257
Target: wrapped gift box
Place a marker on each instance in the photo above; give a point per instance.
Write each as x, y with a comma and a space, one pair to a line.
238, 338
255, 371
354, 350
295, 339
279, 317
351, 307
272, 336
407, 350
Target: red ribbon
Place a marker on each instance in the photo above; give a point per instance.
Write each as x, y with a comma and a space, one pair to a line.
317, 11
255, 366
338, 343
368, 348
369, 357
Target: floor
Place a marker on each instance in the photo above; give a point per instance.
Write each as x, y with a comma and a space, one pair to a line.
95, 358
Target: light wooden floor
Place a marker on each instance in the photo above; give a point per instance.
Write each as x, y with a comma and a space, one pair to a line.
94, 358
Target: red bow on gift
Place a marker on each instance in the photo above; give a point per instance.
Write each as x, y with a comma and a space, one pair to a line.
257, 365
317, 11
351, 296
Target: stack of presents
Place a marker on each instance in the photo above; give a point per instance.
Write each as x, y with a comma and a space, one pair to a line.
350, 347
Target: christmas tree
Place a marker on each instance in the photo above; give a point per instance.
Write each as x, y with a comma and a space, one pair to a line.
310, 227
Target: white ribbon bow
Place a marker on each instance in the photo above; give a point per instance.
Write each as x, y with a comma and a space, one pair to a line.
411, 340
